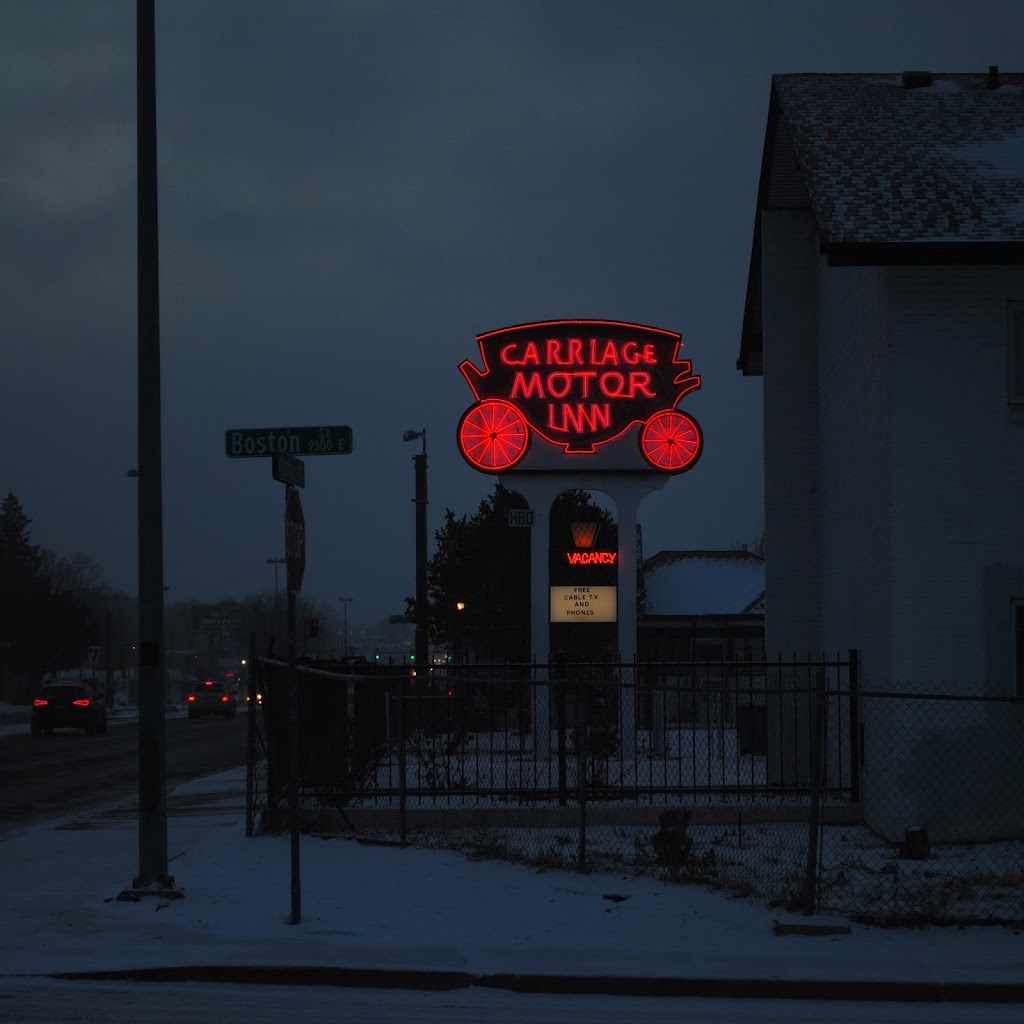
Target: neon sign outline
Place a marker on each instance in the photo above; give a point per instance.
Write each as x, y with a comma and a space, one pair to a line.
578, 385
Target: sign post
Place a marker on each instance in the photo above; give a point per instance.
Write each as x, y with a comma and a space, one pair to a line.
284, 446
295, 558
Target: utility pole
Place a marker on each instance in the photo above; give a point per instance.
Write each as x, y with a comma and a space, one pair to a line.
345, 603
420, 463
152, 878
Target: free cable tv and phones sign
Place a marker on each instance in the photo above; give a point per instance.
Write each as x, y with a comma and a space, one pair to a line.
255, 443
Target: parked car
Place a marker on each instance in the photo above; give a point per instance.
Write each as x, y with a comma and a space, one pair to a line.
211, 698
68, 706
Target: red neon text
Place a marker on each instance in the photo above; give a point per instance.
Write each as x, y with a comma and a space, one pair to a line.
579, 352
592, 557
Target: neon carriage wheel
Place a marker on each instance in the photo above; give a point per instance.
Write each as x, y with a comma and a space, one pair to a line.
493, 436
671, 441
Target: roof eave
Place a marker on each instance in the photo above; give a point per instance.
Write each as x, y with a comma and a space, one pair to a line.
897, 254
750, 360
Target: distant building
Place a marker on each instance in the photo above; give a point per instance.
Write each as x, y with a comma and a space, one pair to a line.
702, 606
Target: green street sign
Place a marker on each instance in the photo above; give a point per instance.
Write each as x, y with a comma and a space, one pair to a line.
299, 441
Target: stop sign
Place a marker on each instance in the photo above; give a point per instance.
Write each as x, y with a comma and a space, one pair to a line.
294, 539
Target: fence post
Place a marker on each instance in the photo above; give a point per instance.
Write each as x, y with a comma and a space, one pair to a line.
400, 729
814, 817
582, 755
854, 722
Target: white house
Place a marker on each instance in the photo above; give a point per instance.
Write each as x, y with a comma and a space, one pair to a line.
885, 313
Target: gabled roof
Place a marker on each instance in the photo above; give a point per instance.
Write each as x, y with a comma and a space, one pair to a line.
911, 168
686, 583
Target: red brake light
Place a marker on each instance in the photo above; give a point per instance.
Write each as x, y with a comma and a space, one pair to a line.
84, 703
224, 699
209, 682
39, 703
191, 697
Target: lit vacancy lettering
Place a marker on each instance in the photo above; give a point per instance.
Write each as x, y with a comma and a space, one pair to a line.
592, 557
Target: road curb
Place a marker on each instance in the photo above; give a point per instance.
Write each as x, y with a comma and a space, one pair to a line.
446, 981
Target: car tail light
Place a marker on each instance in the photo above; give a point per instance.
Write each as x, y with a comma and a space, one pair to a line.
224, 699
39, 703
191, 698
84, 703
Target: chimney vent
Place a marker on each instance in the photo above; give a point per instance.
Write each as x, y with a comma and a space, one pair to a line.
993, 77
917, 79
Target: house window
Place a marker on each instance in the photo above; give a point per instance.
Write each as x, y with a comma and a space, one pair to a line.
710, 650
1017, 620
1016, 353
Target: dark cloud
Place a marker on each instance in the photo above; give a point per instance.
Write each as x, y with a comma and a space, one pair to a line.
349, 193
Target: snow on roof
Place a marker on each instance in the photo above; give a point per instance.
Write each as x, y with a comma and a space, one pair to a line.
682, 583
886, 162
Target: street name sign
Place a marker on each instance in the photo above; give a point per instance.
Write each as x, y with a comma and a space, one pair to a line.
259, 442
289, 470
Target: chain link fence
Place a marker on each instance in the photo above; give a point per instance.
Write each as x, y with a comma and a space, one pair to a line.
777, 781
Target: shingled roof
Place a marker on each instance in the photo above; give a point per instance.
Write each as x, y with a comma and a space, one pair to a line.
905, 168
688, 583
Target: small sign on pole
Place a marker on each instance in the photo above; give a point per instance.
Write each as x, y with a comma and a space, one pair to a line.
288, 470
294, 539
520, 517
254, 443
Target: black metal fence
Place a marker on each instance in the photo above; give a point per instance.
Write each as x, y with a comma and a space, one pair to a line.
747, 776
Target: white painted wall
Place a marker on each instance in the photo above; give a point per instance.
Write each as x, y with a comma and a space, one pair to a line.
853, 463
957, 474
789, 259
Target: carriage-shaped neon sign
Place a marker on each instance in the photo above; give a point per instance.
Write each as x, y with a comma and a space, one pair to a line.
579, 385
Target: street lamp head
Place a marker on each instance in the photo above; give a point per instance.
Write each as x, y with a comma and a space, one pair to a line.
276, 561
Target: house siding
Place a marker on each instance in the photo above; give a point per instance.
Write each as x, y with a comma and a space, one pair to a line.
956, 557
957, 473
790, 410
853, 462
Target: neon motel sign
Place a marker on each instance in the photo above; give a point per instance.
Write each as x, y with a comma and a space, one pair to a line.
579, 385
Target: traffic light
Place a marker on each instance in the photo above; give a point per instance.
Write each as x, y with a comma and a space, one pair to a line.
376, 655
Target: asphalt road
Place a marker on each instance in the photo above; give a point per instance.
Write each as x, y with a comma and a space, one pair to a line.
44, 1000
46, 777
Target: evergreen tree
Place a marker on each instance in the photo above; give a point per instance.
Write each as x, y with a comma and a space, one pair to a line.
17, 554
484, 565
44, 630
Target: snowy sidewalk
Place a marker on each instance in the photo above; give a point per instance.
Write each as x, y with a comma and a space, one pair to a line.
381, 915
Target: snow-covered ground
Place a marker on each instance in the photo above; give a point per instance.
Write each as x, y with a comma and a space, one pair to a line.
387, 908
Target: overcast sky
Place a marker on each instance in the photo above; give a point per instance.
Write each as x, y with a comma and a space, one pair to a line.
350, 192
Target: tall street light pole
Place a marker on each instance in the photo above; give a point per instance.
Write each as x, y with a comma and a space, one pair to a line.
420, 462
344, 604
152, 876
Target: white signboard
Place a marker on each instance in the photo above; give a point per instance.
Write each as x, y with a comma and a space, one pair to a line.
584, 604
